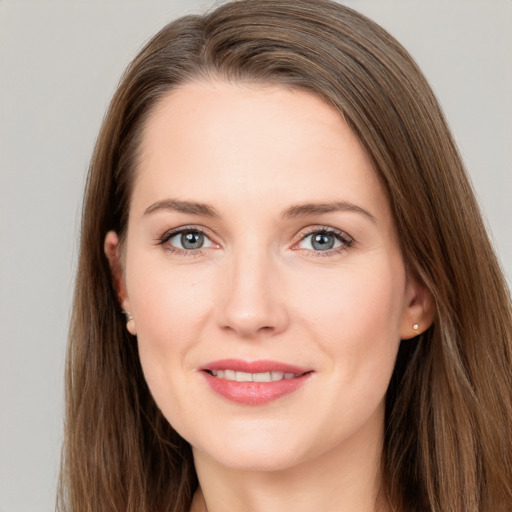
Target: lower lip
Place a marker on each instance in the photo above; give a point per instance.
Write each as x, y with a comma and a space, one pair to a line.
254, 393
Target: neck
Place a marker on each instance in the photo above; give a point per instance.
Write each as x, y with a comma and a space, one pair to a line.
346, 478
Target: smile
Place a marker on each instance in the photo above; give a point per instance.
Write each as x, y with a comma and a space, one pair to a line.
253, 383
253, 377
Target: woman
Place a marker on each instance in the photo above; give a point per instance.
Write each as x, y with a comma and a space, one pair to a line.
286, 295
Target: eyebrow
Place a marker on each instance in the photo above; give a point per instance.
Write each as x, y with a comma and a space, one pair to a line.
305, 209
189, 207
299, 210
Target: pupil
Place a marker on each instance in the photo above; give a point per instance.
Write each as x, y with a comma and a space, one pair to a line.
192, 240
323, 242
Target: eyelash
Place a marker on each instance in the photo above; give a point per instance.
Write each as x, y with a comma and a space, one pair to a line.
176, 250
345, 240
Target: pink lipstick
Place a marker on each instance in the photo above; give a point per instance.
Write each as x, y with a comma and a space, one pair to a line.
253, 383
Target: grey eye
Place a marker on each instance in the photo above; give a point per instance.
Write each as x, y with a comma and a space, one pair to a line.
322, 241
192, 240
189, 240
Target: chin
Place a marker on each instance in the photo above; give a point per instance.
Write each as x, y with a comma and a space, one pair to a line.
255, 449
255, 459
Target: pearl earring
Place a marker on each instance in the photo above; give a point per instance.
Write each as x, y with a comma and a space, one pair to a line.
415, 327
130, 323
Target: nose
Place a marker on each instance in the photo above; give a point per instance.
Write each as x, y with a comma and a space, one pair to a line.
253, 299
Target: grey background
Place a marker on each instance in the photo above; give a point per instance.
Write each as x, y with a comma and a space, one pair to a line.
59, 65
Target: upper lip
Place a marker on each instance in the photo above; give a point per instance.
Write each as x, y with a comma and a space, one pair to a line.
261, 366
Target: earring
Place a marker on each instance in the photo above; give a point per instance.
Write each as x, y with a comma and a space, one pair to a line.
130, 323
415, 327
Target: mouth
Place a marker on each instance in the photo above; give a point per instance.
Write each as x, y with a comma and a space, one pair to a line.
253, 383
233, 375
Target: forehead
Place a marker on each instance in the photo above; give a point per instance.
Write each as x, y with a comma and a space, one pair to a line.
214, 140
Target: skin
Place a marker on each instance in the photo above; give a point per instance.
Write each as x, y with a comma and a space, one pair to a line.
259, 289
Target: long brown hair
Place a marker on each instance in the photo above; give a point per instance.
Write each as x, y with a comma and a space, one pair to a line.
448, 438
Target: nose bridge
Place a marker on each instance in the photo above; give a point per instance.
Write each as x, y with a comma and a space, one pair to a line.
252, 302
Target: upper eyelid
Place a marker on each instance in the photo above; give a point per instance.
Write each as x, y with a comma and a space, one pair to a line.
302, 234
346, 241
176, 231
164, 240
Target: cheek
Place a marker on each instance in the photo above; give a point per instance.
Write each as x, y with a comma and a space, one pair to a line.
355, 321
356, 316
170, 308
169, 304
354, 298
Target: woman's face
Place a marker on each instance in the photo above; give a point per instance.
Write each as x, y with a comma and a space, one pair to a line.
263, 273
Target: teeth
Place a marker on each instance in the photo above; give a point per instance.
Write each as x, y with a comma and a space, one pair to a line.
252, 377
243, 377
261, 377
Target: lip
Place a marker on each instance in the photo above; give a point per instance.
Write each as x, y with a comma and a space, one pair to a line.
253, 366
254, 393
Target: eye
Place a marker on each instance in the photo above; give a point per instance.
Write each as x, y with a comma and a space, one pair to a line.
323, 240
187, 239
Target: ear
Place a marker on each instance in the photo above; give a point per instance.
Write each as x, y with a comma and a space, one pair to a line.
419, 309
112, 251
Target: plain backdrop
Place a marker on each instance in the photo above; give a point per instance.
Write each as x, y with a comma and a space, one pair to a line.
59, 65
